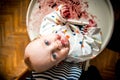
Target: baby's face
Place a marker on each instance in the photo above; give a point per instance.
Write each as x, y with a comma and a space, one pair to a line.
47, 51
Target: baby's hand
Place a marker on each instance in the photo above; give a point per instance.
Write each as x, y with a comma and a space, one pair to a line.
65, 11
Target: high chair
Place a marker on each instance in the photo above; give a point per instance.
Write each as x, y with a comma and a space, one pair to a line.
67, 71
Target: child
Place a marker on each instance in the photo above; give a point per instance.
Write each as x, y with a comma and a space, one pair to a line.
63, 36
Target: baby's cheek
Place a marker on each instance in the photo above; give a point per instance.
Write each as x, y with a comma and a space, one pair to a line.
62, 55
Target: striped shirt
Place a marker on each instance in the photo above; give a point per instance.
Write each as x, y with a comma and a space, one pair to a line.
64, 71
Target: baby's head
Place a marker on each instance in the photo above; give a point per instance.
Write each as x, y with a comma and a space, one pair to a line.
46, 51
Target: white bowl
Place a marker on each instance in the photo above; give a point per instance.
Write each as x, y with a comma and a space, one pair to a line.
101, 8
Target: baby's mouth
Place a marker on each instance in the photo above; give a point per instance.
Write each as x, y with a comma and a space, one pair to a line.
64, 40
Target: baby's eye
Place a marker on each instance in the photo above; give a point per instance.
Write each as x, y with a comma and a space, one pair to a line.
47, 42
54, 55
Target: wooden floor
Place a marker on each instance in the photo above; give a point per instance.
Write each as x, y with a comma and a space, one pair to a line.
105, 62
14, 38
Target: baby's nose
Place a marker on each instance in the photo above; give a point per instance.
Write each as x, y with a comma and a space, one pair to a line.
58, 37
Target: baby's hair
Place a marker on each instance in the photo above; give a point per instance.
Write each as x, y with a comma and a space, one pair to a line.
38, 37
28, 63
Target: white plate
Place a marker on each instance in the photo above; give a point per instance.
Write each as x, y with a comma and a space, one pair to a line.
101, 8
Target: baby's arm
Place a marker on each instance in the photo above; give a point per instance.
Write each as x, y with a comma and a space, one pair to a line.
94, 32
92, 41
56, 17
51, 20
59, 16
